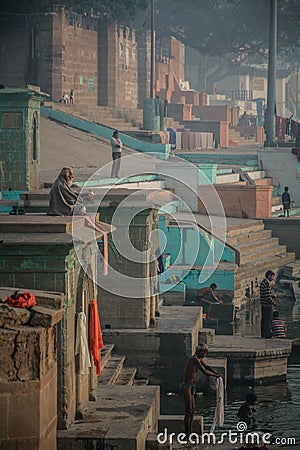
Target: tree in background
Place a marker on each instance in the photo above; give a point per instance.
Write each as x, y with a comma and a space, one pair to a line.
103, 9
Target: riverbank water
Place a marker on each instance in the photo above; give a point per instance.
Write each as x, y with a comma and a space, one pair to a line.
278, 406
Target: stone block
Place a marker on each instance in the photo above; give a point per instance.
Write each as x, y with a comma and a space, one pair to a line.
153, 444
24, 411
4, 399
49, 300
207, 336
175, 424
44, 317
13, 317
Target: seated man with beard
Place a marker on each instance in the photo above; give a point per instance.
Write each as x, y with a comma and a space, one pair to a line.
64, 201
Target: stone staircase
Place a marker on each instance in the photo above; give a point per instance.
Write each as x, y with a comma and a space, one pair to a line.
258, 251
118, 118
236, 139
113, 371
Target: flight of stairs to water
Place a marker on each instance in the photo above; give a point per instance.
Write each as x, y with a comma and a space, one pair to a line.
113, 370
258, 251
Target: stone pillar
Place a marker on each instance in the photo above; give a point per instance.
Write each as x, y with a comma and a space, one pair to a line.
28, 375
20, 138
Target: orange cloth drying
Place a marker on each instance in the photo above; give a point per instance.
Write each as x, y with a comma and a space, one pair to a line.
95, 336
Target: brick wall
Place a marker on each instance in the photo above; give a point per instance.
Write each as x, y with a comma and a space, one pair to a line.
75, 57
144, 55
118, 67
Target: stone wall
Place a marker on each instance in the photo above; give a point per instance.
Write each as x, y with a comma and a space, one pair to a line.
75, 57
144, 53
57, 269
118, 67
20, 138
28, 373
130, 311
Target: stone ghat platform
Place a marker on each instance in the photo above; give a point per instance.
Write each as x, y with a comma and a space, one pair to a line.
121, 419
160, 353
253, 360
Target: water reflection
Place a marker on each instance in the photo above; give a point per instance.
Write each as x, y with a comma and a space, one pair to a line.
278, 407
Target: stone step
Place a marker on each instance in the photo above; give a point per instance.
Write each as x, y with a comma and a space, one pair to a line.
206, 336
252, 236
141, 382
257, 268
257, 256
126, 376
112, 370
106, 354
249, 227
258, 245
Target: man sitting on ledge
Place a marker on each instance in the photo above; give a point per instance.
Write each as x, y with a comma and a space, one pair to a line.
64, 201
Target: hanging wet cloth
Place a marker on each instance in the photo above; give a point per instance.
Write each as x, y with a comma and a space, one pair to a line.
95, 336
219, 409
81, 345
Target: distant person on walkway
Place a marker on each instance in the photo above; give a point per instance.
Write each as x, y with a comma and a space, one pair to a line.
278, 327
207, 297
72, 96
157, 105
267, 302
116, 147
64, 201
245, 413
188, 384
286, 201
244, 122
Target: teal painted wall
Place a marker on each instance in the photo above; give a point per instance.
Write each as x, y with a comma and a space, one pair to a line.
182, 244
217, 158
161, 150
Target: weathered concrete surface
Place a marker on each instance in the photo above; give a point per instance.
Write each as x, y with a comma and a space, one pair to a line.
28, 383
287, 230
208, 384
46, 299
160, 353
10, 317
175, 424
252, 359
122, 417
45, 317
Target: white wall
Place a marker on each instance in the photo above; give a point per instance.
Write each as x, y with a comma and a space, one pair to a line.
282, 165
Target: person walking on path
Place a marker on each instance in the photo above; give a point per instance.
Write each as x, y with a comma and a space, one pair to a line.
278, 327
267, 302
116, 147
188, 385
286, 202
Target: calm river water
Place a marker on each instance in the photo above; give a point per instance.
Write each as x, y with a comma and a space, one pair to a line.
278, 406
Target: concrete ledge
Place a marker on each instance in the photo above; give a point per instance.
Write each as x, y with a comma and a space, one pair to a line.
175, 424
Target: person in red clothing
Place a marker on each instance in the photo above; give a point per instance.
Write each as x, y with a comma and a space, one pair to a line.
188, 385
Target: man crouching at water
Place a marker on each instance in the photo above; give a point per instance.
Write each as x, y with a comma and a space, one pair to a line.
189, 384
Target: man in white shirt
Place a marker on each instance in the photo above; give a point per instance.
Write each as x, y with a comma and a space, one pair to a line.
116, 146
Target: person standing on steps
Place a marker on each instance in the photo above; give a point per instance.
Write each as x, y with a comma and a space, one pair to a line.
286, 202
267, 302
116, 147
188, 385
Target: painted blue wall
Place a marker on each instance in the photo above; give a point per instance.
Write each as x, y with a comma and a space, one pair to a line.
184, 243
